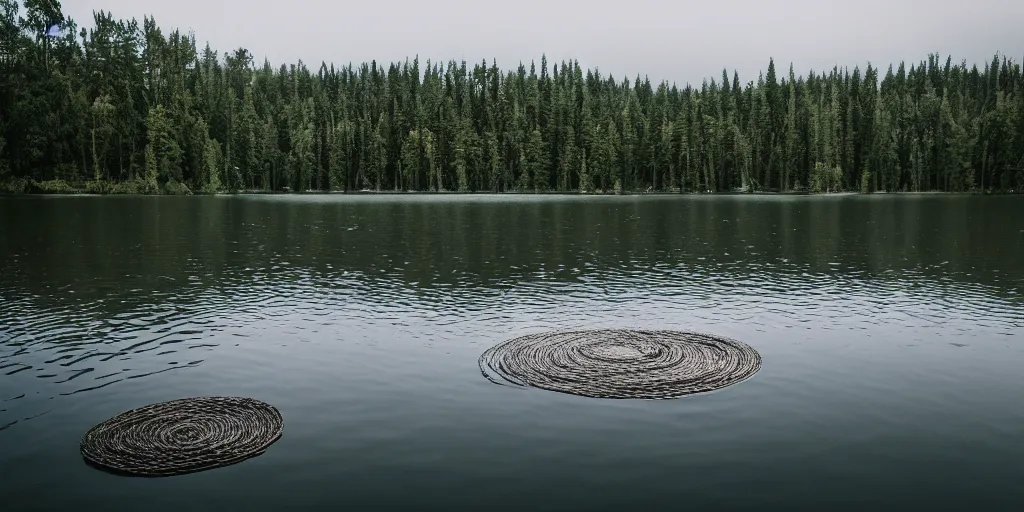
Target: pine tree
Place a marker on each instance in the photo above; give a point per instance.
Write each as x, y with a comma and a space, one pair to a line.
792, 159
128, 102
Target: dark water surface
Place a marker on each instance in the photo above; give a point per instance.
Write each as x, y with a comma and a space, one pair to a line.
890, 330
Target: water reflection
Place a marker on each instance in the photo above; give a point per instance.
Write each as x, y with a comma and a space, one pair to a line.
99, 291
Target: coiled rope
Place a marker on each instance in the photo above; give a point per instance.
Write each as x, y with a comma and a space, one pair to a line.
614, 363
183, 436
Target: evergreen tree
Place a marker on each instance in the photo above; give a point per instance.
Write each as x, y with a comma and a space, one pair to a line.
121, 105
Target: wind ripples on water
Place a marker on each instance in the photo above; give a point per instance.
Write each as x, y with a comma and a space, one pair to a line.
185, 302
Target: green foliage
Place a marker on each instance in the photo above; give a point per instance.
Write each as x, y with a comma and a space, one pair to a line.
462, 160
53, 187
584, 175
825, 178
4, 166
418, 159
865, 181
538, 164
151, 171
134, 186
123, 106
163, 154
15, 186
176, 188
210, 181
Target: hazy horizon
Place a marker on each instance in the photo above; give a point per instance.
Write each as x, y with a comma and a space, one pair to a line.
679, 43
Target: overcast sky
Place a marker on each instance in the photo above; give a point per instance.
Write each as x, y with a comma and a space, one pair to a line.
676, 40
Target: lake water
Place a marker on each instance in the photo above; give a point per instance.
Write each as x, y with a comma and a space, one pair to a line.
890, 330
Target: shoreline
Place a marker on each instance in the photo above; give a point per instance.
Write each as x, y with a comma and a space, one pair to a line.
103, 188
510, 193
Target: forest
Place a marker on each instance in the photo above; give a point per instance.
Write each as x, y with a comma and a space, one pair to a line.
128, 107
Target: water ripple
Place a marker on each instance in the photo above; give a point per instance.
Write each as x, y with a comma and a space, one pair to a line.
79, 325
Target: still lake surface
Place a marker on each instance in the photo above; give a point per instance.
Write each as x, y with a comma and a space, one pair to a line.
890, 330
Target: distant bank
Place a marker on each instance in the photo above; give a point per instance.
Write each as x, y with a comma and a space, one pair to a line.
160, 109
59, 187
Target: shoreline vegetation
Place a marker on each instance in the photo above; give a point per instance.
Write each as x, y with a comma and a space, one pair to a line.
122, 189
121, 107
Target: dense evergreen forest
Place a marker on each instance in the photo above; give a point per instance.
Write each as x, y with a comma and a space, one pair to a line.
126, 107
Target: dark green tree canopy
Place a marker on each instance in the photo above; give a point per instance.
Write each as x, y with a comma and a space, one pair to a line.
128, 106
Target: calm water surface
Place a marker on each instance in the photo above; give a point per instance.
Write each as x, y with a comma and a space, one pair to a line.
890, 329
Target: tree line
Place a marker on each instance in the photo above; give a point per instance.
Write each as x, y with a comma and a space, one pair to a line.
126, 107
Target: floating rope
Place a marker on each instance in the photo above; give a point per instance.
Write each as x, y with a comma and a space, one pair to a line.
183, 436
621, 363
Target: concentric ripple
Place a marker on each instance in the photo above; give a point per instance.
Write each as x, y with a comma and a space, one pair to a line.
183, 436
615, 363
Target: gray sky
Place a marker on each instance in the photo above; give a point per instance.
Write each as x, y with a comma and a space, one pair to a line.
676, 40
